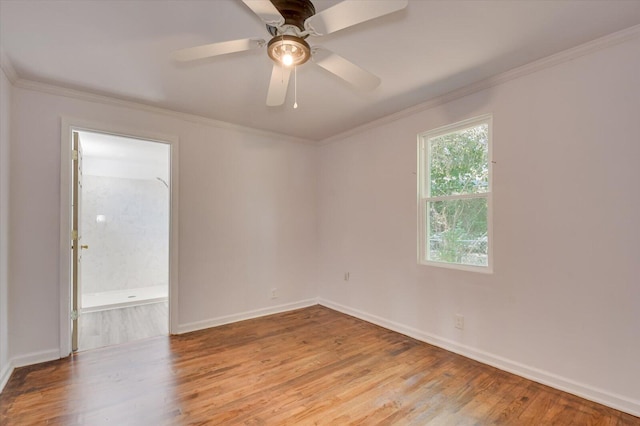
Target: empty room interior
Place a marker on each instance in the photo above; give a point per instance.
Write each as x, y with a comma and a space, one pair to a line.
320, 212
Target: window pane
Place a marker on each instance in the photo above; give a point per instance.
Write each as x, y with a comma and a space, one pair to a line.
457, 231
458, 162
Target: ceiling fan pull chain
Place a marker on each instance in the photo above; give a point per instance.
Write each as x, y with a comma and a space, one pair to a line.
295, 87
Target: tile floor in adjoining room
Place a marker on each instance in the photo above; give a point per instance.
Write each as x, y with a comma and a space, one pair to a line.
116, 326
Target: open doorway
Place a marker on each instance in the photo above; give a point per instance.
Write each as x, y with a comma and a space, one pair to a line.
121, 211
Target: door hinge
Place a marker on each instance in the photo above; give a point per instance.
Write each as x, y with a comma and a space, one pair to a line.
74, 235
74, 154
74, 315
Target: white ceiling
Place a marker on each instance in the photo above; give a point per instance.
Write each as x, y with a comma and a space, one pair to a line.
122, 49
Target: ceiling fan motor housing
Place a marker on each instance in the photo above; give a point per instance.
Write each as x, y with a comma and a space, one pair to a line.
294, 12
282, 45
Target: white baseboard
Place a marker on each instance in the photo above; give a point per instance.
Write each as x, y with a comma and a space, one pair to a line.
28, 359
5, 373
591, 393
227, 319
35, 358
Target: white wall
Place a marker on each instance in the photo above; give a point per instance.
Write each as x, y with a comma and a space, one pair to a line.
5, 104
563, 305
247, 216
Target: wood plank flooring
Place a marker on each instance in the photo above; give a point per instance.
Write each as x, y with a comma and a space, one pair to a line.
117, 326
309, 366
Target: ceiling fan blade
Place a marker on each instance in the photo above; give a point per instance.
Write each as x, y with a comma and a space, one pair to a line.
349, 13
346, 70
217, 49
278, 85
266, 11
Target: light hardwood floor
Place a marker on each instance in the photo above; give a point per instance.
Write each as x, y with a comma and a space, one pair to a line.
310, 366
122, 325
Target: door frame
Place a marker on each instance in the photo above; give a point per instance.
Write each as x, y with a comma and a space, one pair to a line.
68, 126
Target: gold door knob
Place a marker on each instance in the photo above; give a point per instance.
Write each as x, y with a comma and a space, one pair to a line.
86, 246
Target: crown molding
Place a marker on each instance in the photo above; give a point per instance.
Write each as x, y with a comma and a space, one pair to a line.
112, 101
521, 71
7, 67
532, 67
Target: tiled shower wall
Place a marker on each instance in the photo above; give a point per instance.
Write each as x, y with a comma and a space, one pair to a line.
130, 248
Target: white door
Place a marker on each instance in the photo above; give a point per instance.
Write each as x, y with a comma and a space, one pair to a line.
77, 245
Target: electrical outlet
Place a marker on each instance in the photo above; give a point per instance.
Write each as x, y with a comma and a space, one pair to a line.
346, 276
274, 293
459, 322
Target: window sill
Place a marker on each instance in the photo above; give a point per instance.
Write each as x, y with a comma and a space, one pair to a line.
468, 268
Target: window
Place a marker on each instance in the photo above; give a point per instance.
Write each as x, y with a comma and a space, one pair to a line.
454, 195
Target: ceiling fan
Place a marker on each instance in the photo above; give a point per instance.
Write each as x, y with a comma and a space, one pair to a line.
290, 22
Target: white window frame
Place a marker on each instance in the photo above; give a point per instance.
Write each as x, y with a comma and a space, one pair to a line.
424, 196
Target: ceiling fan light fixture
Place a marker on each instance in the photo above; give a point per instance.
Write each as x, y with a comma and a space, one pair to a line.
288, 50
